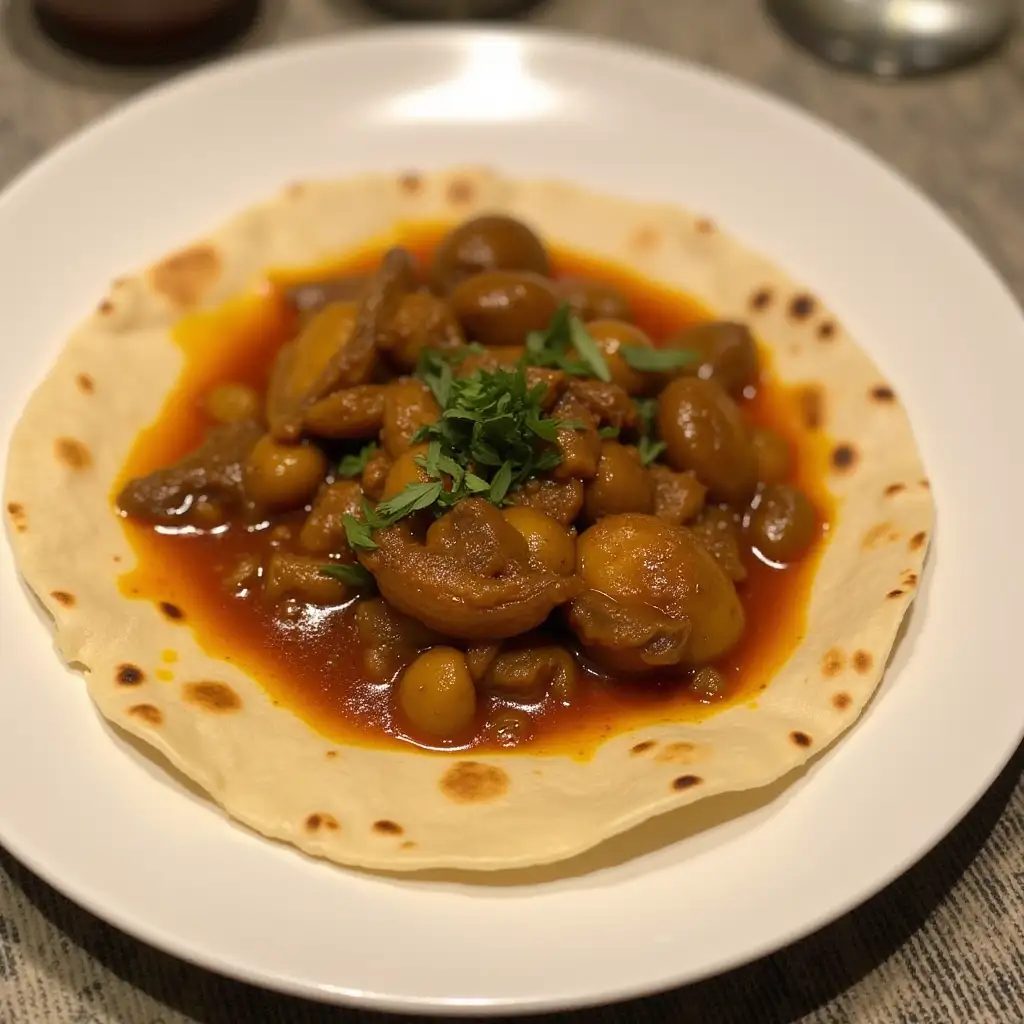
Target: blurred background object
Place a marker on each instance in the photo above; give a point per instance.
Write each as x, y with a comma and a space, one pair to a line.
145, 31
896, 37
453, 10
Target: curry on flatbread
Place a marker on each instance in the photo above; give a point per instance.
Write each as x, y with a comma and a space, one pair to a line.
431, 521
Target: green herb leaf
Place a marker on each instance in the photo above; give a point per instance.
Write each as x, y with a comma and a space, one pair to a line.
649, 450
353, 575
358, 533
552, 347
411, 499
588, 350
501, 483
491, 437
646, 411
353, 465
546, 429
657, 360
374, 520
608, 432
435, 370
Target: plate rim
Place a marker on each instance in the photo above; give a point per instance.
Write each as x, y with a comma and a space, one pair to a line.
424, 35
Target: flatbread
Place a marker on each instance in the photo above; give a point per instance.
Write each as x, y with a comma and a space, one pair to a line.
405, 810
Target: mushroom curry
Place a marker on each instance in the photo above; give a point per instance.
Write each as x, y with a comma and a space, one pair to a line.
478, 492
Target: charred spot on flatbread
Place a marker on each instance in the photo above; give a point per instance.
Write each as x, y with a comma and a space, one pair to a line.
862, 661
844, 457
682, 782
148, 713
461, 191
130, 675
317, 821
801, 306
470, 782
645, 238
833, 662
411, 183
217, 698
73, 453
879, 534
184, 277
679, 752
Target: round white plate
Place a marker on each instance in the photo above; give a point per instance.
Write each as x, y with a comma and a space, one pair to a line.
683, 897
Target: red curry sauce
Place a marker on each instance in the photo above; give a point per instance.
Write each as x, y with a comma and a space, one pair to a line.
312, 664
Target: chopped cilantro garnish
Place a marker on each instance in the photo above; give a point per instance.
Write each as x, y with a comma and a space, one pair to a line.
353, 465
656, 360
353, 575
492, 436
649, 450
552, 347
646, 411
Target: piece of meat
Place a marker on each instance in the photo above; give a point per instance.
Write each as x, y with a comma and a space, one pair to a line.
375, 474
350, 414
200, 490
390, 639
678, 497
408, 405
578, 444
345, 354
445, 593
628, 636
300, 578
560, 499
323, 532
609, 404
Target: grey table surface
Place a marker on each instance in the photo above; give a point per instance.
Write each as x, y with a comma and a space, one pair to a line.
943, 944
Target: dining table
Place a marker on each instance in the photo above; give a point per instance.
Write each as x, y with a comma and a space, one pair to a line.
942, 944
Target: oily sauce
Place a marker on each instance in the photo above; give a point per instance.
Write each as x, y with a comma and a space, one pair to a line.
311, 663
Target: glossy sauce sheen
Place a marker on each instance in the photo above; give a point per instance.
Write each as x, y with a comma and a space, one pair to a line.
311, 664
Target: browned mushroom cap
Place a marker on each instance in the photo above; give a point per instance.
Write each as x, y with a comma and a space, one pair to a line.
500, 307
643, 563
705, 432
591, 299
727, 354
487, 242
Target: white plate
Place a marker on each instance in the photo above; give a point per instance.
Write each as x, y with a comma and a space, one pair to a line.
711, 887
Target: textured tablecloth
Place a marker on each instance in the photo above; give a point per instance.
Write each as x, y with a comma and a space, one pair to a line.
942, 945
